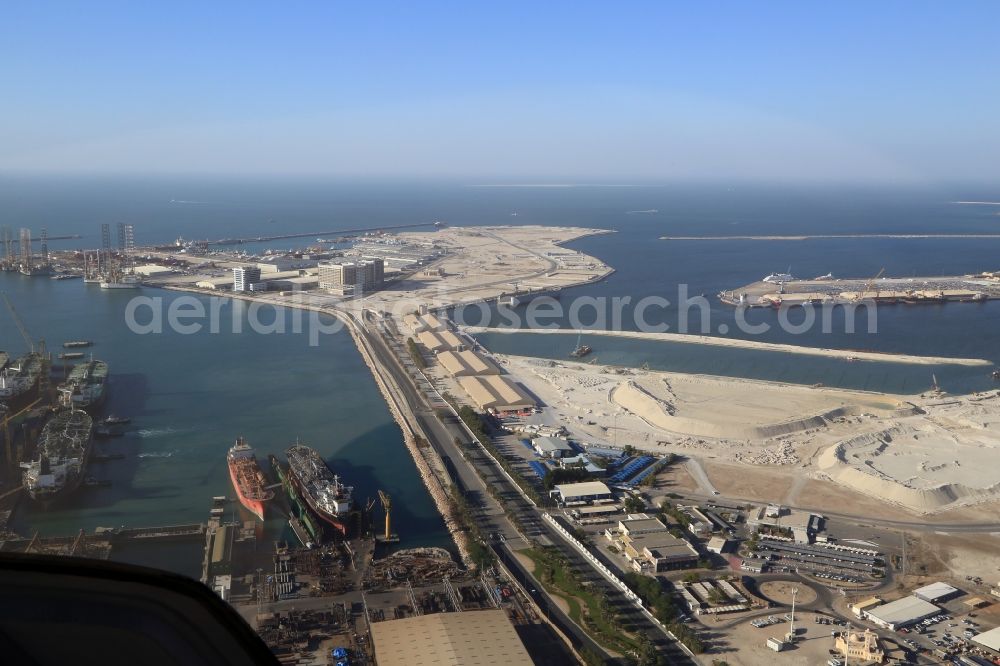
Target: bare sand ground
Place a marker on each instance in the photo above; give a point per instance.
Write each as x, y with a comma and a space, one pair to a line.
806, 446
763, 484
780, 591
751, 344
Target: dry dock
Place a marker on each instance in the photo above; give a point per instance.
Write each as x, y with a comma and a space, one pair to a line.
881, 291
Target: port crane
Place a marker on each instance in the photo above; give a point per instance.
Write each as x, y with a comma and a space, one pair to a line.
387, 506
868, 285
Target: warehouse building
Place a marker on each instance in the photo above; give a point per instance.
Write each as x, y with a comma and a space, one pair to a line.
466, 363
901, 613
657, 552
936, 592
496, 393
439, 341
990, 640
552, 447
418, 323
588, 492
473, 638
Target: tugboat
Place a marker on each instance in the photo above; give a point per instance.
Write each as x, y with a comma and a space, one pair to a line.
581, 350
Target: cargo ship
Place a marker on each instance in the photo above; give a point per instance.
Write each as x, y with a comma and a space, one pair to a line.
320, 487
248, 479
19, 381
87, 384
63, 451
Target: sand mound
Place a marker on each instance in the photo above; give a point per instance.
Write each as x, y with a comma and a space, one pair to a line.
664, 414
922, 468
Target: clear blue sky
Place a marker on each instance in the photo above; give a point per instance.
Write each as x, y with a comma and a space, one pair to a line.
895, 91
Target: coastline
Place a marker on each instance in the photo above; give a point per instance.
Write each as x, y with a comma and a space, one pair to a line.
747, 344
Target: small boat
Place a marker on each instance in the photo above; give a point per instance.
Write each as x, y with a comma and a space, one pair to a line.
853, 359
68, 356
996, 375
581, 350
77, 343
117, 420
107, 432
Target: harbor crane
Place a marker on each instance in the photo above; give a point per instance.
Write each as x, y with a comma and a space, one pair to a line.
868, 285
387, 505
20, 324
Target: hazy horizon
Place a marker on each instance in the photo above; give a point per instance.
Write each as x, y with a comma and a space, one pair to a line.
890, 93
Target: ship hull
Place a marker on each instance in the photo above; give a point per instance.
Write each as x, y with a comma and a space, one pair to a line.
256, 507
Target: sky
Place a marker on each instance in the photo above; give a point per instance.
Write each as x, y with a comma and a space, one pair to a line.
505, 92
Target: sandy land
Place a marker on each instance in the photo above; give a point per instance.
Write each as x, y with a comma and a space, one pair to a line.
780, 591
786, 443
749, 344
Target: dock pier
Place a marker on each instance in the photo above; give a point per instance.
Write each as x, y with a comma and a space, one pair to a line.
827, 291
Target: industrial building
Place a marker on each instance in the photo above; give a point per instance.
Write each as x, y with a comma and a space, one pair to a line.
587, 492
246, 278
861, 607
936, 592
351, 278
990, 640
439, 341
649, 547
473, 638
802, 524
496, 393
418, 323
285, 264
584, 461
717, 545
466, 363
552, 447
901, 613
153, 270
700, 524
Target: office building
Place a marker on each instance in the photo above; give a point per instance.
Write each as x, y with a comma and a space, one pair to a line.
245, 277
351, 278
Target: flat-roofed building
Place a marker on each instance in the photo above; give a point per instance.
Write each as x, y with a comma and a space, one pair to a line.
466, 363
658, 551
989, 640
644, 525
860, 607
717, 545
496, 393
552, 447
472, 638
439, 341
901, 613
586, 492
936, 592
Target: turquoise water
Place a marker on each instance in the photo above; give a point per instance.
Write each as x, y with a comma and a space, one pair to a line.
190, 396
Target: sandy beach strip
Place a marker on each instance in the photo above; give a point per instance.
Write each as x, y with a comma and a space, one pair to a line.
747, 344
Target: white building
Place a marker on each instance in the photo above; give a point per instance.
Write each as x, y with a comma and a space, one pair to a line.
552, 447
936, 592
588, 492
245, 277
901, 613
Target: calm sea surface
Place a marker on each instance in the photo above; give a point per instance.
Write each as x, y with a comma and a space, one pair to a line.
191, 395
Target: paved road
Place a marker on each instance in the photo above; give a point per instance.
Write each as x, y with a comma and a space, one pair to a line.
491, 516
